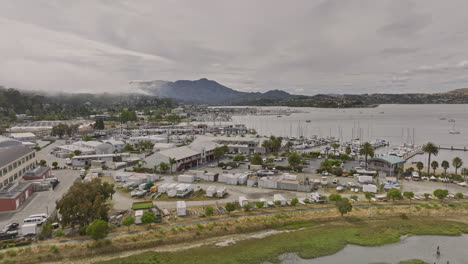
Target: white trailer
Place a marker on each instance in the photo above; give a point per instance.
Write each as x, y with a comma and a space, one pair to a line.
221, 192
181, 208
243, 201
279, 198
138, 215
187, 178
163, 188
211, 191
369, 188
29, 229
183, 190
365, 179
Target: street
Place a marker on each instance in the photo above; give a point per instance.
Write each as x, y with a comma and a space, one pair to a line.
43, 202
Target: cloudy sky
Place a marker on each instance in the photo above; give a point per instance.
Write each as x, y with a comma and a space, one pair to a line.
304, 47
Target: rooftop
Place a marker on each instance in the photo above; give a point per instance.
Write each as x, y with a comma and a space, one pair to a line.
179, 153
14, 190
390, 159
11, 153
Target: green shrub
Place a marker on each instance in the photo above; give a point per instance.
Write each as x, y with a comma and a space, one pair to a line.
404, 216
59, 233
54, 249
11, 252
209, 211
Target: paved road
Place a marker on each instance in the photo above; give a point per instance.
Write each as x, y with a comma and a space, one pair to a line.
42, 202
44, 154
208, 220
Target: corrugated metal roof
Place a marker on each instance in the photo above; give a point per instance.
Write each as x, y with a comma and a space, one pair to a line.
390, 159
12, 153
179, 153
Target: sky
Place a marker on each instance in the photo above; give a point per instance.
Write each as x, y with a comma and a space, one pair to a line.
303, 47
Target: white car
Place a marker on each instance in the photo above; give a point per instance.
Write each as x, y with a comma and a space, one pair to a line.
211, 165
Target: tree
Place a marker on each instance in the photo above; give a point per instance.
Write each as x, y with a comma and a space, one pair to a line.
344, 206
394, 194
369, 196
259, 204
459, 196
163, 167
294, 201
77, 152
148, 218
288, 146
335, 147
434, 166
419, 166
247, 207
98, 229
366, 150
128, 221
230, 207
348, 150
99, 125
294, 159
334, 197
256, 159
43, 163
445, 165
172, 161
85, 202
209, 211
128, 148
430, 149
440, 193
219, 152
457, 163
408, 195
55, 164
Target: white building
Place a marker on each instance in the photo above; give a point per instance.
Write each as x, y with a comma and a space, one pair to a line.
117, 145
185, 158
15, 161
84, 160
163, 146
24, 137
88, 147
151, 138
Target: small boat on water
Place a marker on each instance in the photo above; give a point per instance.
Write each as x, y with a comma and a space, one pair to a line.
279, 116
307, 121
443, 118
451, 120
453, 130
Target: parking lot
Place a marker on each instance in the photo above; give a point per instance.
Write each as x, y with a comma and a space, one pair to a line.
42, 202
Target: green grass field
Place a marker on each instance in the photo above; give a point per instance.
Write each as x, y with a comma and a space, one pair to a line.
312, 240
142, 205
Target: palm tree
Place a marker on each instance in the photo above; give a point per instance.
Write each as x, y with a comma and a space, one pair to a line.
334, 146
434, 166
419, 166
457, 163
172, 161
155, 168
430, 149
445, 164
366, 150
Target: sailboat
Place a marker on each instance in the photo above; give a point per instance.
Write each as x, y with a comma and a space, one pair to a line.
453, 130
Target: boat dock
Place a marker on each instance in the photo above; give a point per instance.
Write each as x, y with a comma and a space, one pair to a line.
416, 151
454, 148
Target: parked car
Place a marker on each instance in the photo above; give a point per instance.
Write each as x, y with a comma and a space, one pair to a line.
10, 227
8, 235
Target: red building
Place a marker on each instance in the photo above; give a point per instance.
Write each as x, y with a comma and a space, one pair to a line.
12, 197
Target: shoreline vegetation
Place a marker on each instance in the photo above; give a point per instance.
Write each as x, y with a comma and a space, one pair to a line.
310, 234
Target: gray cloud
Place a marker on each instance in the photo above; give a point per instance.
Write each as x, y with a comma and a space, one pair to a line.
304, 46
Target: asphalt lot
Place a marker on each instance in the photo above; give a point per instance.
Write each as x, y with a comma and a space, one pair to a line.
43, 202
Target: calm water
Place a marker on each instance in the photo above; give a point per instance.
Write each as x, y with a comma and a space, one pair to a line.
453, 249
395, 123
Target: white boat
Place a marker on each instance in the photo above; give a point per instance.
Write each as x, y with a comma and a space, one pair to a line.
453, 130
451, 120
